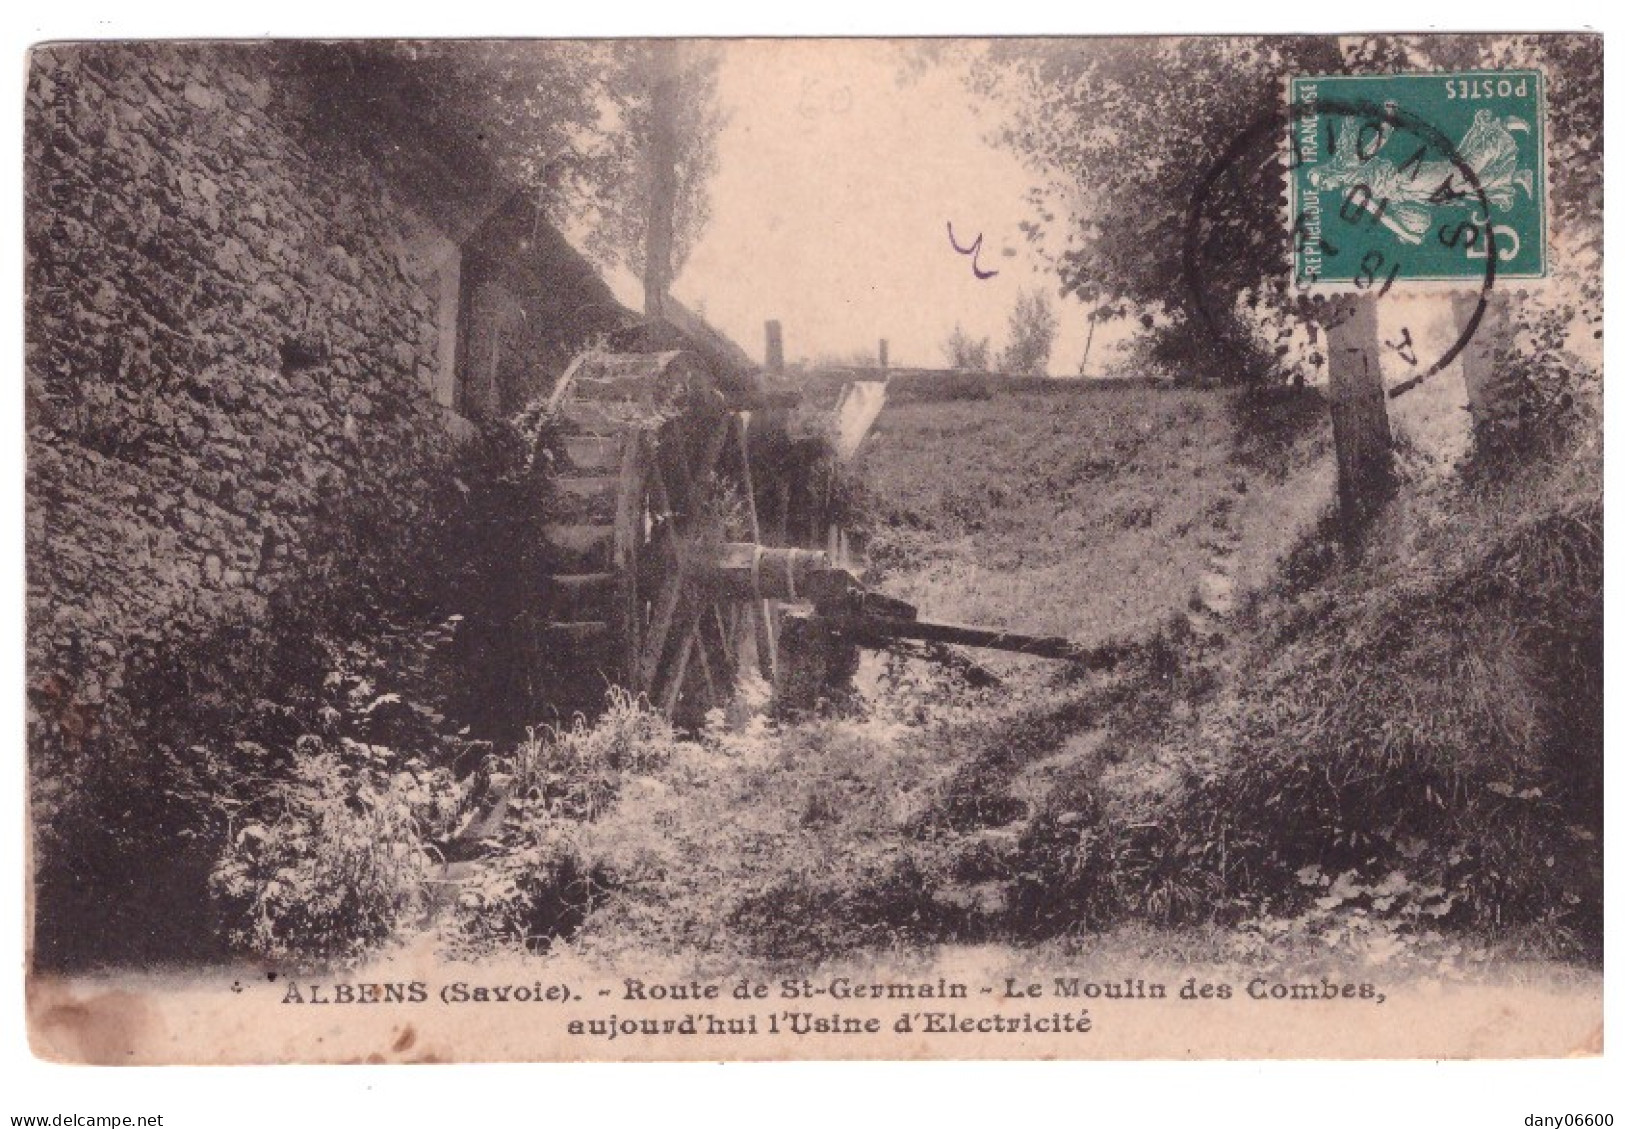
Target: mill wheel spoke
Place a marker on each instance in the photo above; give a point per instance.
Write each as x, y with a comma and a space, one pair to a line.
727, 624
702, 652
678, 672
672, 584
629, 541
660, 623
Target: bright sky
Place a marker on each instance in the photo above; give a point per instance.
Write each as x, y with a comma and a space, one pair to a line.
830, 204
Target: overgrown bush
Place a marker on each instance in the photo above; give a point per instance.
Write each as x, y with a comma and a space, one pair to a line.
1420, 742
531, 883
1545, 398
881, 899
392, 635
336, 859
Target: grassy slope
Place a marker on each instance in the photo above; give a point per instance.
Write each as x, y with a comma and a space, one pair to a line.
1091, 513
1357, 758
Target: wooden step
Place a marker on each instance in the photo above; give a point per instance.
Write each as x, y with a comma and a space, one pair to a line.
581, 592
586, 498
583, 548
578, 633
585, 583
626, 386
580, 581
594, 452
608, 417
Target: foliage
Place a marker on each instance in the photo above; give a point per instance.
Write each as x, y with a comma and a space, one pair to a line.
378, 664
777, 840
802, 485
1033, 326
335, 860
1423, 748
1546, 395
967, 353
329, 814
372, 766
567, 119
533, 884
1126, 135
492, 556
1122, 134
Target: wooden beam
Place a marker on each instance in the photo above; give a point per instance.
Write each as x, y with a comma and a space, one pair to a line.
876, 630
1360, 428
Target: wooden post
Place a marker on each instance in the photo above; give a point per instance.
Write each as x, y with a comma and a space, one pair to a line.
1365, 455
1487, 391
775, 347
1088, 343
883, 351
493, 312
663, 176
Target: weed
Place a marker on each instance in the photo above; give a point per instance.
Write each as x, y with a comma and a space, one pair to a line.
332, 865
532, 882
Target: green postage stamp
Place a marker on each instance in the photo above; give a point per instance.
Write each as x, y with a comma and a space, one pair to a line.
1406, 178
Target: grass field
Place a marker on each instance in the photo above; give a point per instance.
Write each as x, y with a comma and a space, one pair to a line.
1089, 512
1388, 756
1304, 753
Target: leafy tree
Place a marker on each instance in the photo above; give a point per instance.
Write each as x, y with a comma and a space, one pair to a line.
569, 119
1099, 315
1122, 135
966, 352
1125, 136
1032, 334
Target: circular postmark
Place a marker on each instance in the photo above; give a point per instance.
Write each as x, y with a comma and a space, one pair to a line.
1238, 207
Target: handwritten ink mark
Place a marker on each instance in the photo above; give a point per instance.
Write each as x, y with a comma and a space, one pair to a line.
1404, 347
973, 251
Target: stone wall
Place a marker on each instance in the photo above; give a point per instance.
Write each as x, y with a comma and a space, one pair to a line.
226, 340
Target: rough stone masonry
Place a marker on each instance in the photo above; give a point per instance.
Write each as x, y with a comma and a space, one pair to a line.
225, 340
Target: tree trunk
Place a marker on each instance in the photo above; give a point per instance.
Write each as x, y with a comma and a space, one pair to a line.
657, 265
1365, 457
1490, 396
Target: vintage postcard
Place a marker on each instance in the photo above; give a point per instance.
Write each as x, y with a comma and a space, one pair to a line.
556, 550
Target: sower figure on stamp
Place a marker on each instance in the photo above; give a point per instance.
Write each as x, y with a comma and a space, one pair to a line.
1410, 190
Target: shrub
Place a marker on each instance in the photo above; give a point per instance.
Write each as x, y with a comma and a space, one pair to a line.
341, 863
397, 632
801, 485
532, 883
1424, 747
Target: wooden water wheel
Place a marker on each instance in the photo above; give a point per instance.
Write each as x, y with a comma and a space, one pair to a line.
656, 481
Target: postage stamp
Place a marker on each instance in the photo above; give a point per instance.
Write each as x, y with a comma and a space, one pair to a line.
1398, 179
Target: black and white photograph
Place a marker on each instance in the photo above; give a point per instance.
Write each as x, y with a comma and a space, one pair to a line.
554, 550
